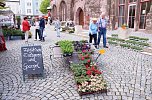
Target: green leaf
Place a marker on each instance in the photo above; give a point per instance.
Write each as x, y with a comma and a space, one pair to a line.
44, 5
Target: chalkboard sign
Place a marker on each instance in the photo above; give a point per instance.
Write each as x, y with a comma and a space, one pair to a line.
32, 60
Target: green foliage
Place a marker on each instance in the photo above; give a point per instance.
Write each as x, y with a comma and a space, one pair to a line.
138, 43
79, 71
137, 38
12, 32
66, 46
81, 79
112, 38
136, 48
44, 5
125, 45
114, 35
111, 42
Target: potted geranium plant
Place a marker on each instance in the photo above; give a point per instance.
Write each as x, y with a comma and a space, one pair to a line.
124, 26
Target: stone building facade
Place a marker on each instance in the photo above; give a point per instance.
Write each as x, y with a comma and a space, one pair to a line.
134, 13
80, 11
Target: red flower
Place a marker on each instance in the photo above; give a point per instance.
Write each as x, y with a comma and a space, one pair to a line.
93, 68
89, 72
87, 66
98, 72
89, 61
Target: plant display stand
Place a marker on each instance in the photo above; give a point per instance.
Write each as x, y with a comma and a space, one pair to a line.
83, 64
86, 93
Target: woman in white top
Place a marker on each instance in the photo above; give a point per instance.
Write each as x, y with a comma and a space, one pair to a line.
37, 31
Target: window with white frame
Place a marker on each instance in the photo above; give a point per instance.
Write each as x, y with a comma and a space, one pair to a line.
144, 10
121, 17
28, 10
37, 11
37, 4
28, 3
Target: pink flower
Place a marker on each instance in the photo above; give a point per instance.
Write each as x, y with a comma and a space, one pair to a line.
82, 58
84, 51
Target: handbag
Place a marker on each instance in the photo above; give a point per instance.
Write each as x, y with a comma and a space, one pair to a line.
44, 34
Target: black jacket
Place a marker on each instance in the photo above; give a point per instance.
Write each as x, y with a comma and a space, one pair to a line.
42, 23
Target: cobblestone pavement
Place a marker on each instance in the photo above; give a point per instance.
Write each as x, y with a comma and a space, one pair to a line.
128, 74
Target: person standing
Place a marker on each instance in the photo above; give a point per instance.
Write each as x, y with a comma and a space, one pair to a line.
37, 31
26, 28
57, 27
42, 27
2, 40
102, 25
93, 28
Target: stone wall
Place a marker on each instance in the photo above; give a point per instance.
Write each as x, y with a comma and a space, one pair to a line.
91, 8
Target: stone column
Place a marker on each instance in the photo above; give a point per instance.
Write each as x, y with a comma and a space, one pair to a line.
137, 15
149, 21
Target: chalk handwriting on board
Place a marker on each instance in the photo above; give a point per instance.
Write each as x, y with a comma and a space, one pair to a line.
33, 67
32, 60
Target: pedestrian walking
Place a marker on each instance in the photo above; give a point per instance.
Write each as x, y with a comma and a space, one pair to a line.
37, 31
102, 26
93, 28
57, 27
42, 27
26, 27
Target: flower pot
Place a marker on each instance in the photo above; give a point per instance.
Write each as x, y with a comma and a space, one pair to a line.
67, 54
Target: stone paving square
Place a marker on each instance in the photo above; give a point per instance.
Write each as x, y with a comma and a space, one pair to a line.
127, 72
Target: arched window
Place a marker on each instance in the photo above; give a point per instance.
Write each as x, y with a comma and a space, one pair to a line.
63, 11
54, 12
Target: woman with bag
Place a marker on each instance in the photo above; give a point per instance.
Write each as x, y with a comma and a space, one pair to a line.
37, 31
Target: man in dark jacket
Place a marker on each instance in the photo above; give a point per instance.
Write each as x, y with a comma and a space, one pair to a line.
42, 27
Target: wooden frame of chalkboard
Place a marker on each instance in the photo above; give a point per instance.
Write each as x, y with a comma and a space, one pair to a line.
32, 61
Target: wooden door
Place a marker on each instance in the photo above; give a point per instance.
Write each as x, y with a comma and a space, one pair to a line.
81, 18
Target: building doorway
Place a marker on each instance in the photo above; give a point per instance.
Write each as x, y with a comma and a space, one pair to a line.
81, 17
131, 17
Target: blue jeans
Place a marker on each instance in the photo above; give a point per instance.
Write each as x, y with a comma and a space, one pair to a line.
102, 32
41, 33
58, 32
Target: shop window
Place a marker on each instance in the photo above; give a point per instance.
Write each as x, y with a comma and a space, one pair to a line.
145, 8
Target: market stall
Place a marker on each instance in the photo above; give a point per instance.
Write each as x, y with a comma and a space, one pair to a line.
82, 61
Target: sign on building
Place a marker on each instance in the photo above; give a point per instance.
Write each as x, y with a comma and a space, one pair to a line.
6, 19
